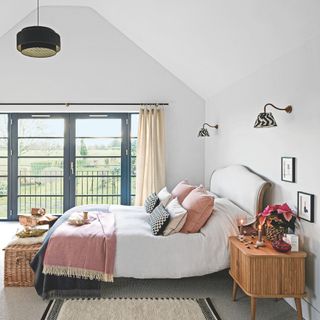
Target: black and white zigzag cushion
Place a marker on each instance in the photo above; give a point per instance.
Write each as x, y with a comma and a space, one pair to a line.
159, 219
151, 202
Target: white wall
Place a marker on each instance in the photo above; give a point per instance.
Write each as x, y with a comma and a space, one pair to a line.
97, 63
292, 79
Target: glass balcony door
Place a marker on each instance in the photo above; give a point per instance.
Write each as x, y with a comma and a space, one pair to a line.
100, 157
4, 149
58, 161
38, 163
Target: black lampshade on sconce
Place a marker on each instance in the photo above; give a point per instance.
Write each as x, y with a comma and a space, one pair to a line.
266, 120
38, 41
204, 131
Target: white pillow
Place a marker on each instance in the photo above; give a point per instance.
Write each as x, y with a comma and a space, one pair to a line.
178, 216
226, 211
164, 196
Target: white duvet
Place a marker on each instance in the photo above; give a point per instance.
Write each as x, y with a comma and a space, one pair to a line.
140, 254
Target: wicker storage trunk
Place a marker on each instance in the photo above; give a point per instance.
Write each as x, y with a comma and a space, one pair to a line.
17, 271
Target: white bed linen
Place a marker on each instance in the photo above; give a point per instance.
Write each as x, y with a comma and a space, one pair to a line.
140, 254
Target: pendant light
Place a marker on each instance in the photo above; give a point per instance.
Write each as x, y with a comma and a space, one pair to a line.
38, 41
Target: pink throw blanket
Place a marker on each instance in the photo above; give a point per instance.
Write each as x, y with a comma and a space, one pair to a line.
86, 251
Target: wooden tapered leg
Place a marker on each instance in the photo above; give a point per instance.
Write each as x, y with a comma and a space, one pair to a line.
234, 291
253, 308
299, 308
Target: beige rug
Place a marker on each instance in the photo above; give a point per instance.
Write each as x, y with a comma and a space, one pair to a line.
131, 309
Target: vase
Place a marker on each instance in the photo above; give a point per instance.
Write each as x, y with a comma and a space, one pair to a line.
273, 234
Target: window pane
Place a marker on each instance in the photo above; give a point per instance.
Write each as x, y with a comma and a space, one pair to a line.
53, 205
98, 138
40, 186
133, 185
40, 167
3, 186
134, 134
41, 128
3, 207
133, 146
98, 166
98, 186
40, 147
3, 147
98, 147
134, 125
98, 200
3, 166
133, 166
98, 128
3, 125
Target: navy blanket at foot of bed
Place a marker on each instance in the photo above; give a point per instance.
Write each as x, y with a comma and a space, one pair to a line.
49, 286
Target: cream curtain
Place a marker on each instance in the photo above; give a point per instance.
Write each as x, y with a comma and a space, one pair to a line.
150, 153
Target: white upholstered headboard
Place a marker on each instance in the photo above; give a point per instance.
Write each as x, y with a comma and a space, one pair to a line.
240, 185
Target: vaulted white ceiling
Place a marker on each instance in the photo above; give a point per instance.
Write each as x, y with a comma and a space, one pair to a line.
208, 44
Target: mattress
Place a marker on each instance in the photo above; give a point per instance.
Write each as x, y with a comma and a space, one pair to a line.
140, 254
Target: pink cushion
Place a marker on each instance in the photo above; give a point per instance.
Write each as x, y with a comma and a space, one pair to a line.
200, 207
181, 190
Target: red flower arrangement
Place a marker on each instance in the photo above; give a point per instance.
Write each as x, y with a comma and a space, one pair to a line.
278, 216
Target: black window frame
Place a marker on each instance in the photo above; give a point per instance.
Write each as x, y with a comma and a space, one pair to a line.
69, 156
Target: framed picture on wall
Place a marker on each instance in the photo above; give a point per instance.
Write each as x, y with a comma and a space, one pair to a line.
306, 206
288, 169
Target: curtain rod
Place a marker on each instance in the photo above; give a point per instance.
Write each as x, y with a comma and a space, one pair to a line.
67, 104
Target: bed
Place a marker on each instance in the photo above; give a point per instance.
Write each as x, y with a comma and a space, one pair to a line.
238, 195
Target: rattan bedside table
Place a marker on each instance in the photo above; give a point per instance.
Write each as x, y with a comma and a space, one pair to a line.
266, 273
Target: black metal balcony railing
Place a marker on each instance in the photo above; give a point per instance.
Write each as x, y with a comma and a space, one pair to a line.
92, 187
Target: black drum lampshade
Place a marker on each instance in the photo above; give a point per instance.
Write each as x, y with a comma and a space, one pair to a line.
38, 42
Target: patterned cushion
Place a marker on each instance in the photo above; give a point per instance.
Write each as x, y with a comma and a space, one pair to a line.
151, 202
159, 219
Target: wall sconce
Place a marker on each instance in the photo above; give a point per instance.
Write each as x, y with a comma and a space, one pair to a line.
266, 120
204, 131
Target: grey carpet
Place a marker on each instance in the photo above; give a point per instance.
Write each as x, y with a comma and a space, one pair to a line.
23, 303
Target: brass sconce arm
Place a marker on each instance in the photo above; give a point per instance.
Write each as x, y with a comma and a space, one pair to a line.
287, 109
207, 124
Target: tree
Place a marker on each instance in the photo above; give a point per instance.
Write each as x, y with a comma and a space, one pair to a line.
83, 148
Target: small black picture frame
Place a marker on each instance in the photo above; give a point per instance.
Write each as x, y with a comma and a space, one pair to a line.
288, 169
305, 206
